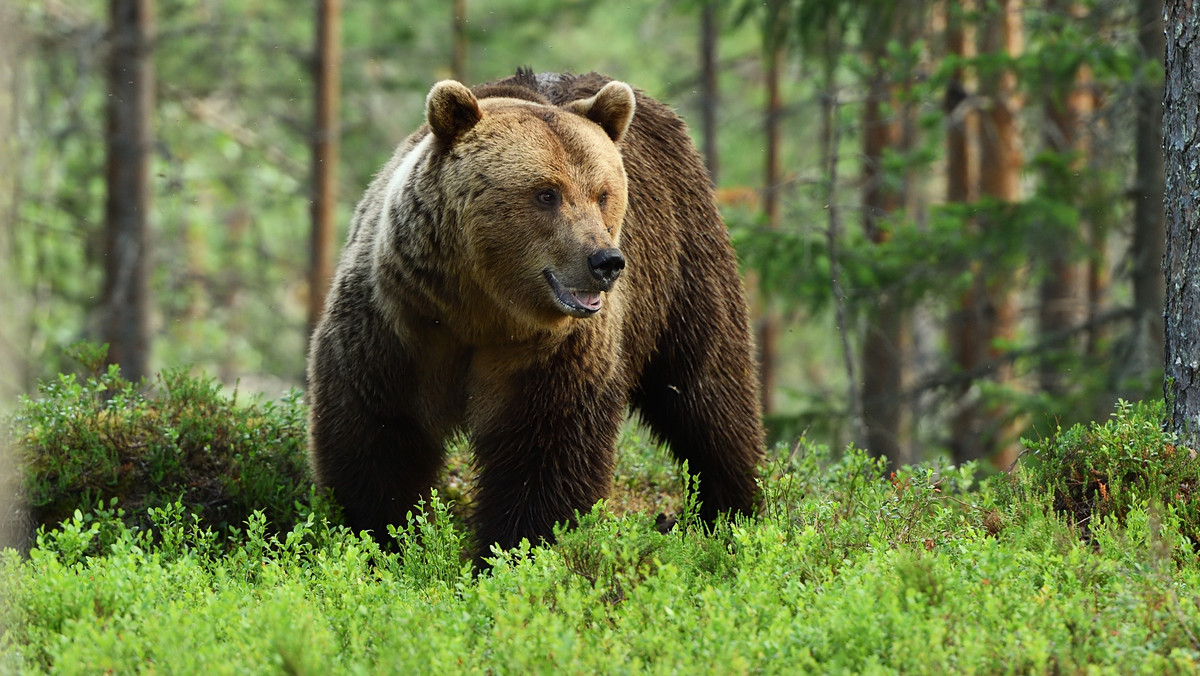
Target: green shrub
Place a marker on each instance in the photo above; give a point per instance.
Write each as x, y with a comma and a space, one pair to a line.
184, 546
84, 442
845, 569
834, 506
1096, 471
100, 442
432, 545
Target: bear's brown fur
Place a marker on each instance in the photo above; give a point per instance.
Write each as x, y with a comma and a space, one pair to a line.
479, 291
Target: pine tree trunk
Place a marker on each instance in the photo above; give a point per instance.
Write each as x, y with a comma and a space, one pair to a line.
962, 127
999, 178
326, 135
831, 137
968, 345
13, 331
1062, 302
1181, 124
125, 301
768, 323
1146, 250
1099, 283
883, 343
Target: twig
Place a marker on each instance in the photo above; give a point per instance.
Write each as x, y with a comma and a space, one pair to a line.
209, 113
1016, 460
941, 380
1182, 618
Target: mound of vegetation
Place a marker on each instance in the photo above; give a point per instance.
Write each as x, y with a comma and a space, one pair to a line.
100, 441
1105, 470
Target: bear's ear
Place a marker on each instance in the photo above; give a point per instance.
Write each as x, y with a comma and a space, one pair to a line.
611, 108
451, 109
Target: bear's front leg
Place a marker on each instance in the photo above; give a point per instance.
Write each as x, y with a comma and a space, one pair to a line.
544, 446
366, 440
379, 467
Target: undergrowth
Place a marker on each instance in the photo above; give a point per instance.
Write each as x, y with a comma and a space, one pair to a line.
1081, 560
1106, 469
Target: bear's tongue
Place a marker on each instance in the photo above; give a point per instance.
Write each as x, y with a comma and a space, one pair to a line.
588, 299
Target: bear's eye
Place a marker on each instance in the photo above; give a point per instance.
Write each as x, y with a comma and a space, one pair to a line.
602, 200
549, 198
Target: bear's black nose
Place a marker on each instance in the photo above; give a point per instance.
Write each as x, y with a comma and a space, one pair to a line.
606, 265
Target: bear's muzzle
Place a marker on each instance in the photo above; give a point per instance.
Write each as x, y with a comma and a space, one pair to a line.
574, 302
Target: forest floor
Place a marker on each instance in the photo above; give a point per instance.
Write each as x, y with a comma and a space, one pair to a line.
1083, 559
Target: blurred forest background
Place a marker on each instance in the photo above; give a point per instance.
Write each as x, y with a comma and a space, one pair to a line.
949, 213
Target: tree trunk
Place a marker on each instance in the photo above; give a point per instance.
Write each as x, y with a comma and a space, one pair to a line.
1099, 276
11, 298
1000, 152
883, 344
989, 314
1146, 250
125, 301
1062, 302
831, 136
768, 324
962, 127
708, 86
967, 346
1181, 119
961, 184
325, 139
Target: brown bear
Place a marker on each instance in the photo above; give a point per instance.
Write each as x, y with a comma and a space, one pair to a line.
543, 253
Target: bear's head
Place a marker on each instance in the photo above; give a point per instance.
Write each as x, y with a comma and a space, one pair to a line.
539, 194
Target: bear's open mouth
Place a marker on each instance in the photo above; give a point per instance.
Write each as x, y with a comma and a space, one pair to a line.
575, 302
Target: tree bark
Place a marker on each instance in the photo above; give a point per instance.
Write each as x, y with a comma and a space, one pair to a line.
13, 303
1000, 151
325, 145
1062, 299
1099, 275
988, 313
962, 182
125, 301
832, 137
883, 343
1181, 120
1000, 163
1147, 247
967, 345
962, 127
